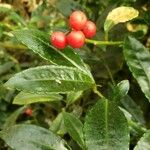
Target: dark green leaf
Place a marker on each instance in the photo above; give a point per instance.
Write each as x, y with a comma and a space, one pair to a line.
144, 142
58, 126
75, 128
119, 95
138, 61
31, 137
11, 120
135, 127
146, 16
39, 42
24, 98
71, 5
100, 60
119, 91
133, 109
51, 79
106, 127
73, 96
6, 67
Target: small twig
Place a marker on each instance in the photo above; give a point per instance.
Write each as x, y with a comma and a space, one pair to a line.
97, 92
103, 42
137, 127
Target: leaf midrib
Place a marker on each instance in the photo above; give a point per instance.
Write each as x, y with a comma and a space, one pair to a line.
106, 122
34, 80
57, 67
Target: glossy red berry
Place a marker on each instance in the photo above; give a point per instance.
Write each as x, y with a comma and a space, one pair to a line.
77, 20
76, 39
58, 40
28, 111
89, 29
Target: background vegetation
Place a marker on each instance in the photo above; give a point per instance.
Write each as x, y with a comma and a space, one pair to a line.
108, 64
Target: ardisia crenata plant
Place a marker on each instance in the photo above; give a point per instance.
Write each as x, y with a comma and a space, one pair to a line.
86, 116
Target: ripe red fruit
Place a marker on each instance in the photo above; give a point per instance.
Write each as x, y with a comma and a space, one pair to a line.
89, 29
77, 20
58, 40
28, 111
76, 39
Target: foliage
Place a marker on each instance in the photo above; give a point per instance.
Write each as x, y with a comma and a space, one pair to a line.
96, 97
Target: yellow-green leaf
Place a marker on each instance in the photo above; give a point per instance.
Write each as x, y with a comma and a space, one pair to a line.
24, 98
119, 15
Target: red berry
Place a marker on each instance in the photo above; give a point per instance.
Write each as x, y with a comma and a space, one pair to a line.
58, 40
76, 39
28, 111
77, 20
89, 29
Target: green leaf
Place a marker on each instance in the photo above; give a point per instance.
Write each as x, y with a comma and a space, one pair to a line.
11, 120
6, 9
58, 126
126, 114
138, 61
119, 15
146, 16
106, 127
31, 137
71, 5
73, 96
14, 16
39, 42
99, 60
119, 91
24, 98
75, 128
119, 95
135, 127
4, 68
136, 112
123, 87
144, 143
50, 79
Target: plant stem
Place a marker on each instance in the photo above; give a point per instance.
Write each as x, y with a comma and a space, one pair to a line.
109, 73
103, 42
106, 36
137, 127
97, 92
9, 45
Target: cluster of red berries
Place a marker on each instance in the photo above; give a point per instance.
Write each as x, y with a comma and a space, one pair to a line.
81, 28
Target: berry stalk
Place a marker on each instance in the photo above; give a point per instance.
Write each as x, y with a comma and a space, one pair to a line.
95, 42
